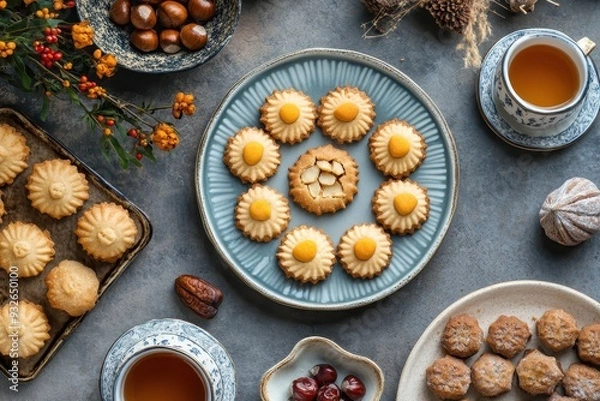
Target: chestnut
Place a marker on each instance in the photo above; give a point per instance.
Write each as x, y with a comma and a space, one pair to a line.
169, 41
153, 2
201, 10
119, 12
143, 16
171, 14
193, 36
145, 40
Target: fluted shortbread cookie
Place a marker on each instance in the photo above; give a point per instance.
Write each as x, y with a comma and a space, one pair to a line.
262, 213
346, 114
252, 155
31, 325
13, 154
72, 287
288, 115
25, 246
401, 206
365, 250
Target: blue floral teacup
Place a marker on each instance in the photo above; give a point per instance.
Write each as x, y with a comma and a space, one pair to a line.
541, 82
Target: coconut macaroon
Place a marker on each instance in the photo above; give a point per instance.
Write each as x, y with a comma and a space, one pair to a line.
306, 254
32, 329
401, 206
14, 153
448, 378
262, 213
252, 155
557, 330
72, 287
288, 115
25, 246
397, 148
57, 188
346, 114
462, 336
106, 231
365, 250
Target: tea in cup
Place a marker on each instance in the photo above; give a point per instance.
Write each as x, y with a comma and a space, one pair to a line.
159, 374
541, 82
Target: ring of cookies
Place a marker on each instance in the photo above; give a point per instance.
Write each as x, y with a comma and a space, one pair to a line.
324, 180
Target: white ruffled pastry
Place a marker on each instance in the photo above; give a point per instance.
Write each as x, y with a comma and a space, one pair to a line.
252, 155
288, 115
262, 213
13, 153
31, 327
56, 188
306, 254
397, 148
365, 250
26, 246
401, 206
346, 114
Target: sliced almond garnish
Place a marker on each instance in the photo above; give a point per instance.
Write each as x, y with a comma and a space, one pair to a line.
314, 189
327, 179
337, 168
324, 165
310, 175
333, 191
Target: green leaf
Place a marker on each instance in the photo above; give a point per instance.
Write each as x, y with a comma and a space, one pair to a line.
123, 156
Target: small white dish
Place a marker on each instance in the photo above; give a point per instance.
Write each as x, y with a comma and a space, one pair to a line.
527, 300
177, 335
556, 139
310, 351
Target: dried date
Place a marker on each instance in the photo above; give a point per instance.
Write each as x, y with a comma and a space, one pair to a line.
199, 295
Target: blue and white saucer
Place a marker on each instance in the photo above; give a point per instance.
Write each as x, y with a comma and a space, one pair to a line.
558, 140
175, 334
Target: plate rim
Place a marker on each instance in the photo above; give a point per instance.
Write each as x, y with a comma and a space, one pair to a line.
387, 69
485, 291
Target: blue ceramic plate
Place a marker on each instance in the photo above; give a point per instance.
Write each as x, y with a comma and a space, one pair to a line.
111, 38
315, 72
558, 140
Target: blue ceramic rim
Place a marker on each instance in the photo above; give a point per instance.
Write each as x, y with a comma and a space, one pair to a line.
388, 70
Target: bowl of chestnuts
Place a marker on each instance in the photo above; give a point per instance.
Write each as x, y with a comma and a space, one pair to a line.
317, 369
159, 36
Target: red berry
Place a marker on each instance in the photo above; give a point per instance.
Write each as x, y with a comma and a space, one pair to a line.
110, 122
353, 388
323, 373
139, 156
132, 132
329, 392
304, 389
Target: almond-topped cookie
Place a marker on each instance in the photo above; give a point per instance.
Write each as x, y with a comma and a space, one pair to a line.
346, 114
323, 180
397, 148
306, 254
288, 115
262, 213
401, 206
13, 154
252, 155
365, 250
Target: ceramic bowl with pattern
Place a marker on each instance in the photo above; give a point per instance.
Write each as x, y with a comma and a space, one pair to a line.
310, 351
111, 38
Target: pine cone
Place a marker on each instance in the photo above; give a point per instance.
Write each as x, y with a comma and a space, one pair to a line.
453, 15
381, 6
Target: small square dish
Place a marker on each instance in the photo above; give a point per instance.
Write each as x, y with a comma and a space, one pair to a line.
18, 206
312, 351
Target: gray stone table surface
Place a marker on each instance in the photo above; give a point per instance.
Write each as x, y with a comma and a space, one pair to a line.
494, 237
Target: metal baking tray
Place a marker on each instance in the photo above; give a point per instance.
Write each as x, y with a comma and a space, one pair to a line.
43, 147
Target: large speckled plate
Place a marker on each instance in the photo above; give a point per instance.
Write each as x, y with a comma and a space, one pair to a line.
527, 300
114, 39
315, 72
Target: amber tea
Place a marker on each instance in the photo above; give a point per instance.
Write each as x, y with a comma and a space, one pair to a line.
544, 76
163, 376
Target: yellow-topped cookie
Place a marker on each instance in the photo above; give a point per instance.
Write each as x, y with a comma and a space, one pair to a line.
262, 213
252, 155
25, 246
306, 254
106, 231
346, 114
13, 153
365, 250
57, 188
288, 115
401, 206
397, 148
28, 327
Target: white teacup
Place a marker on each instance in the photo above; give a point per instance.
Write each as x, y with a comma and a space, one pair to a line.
162, 373
541, 82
